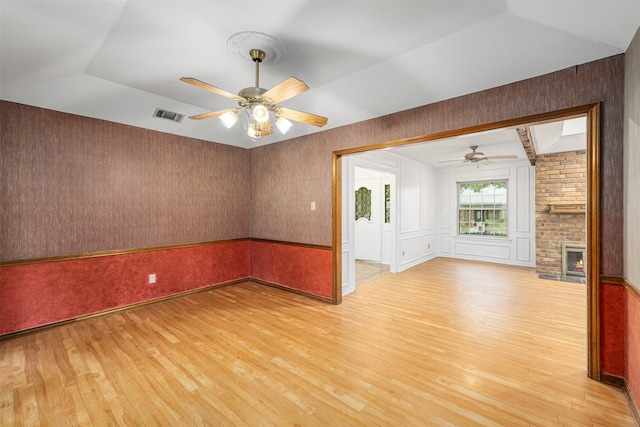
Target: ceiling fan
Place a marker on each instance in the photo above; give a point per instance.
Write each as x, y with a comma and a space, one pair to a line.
477, 156
259, 104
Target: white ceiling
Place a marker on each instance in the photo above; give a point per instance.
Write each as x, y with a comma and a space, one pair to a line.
119, 60
546, 137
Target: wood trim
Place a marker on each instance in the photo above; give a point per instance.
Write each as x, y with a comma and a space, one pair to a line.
113, 252
612, 280
620, 382
613, 380
336, 221
124, 307
302, 245
593, 244
632, 289
517, 122
288, 289
150, 249
594, 367
621, 281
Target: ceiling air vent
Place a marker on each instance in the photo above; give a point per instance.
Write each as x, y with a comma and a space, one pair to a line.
168, 115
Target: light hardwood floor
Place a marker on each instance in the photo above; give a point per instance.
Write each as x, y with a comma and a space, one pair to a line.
451, 343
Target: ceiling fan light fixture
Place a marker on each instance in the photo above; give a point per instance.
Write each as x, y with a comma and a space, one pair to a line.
256, 102
229, 119
257, 129
260, 113
283, 125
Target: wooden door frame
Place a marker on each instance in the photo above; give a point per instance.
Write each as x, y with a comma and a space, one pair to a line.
593, 244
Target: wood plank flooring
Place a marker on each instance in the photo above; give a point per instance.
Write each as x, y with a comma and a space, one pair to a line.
446, 343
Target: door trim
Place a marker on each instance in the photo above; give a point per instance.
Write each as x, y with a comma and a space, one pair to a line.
592, 112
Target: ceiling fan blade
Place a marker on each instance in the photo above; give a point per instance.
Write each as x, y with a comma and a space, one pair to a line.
501, 157
449, 161
285, 90
213, 114
301, 116
207, 86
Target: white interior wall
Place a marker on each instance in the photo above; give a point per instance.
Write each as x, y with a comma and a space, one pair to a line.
518, 248
368, 232
426, 208
417, 237
415, 205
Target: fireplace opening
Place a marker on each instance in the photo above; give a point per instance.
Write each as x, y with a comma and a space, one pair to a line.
574, 261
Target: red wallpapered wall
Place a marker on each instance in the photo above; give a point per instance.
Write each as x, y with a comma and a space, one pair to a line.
632, 369
301, 268
39, 294
612, 327
34, 295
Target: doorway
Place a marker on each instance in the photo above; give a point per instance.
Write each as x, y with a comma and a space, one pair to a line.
372, 227
368, 221
592, 113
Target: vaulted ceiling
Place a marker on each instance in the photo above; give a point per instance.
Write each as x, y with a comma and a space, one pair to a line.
119, 60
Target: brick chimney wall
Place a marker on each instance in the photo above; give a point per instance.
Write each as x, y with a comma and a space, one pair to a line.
560, 178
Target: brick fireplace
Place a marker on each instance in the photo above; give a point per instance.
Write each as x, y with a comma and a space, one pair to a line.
561, 196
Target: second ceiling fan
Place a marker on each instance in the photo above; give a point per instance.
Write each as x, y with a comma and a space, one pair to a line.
477, 156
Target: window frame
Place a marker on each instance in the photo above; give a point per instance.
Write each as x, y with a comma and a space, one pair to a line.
487, 213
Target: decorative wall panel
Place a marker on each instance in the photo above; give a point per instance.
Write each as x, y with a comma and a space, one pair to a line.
523, 199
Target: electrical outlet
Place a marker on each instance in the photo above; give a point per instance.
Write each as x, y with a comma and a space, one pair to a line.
152, 278
313, 206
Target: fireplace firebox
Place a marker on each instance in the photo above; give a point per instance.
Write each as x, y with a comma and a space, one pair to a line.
574, 260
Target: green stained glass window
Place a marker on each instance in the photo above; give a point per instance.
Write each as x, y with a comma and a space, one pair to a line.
363, 203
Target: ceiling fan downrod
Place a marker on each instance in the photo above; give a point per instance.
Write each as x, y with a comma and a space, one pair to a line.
257, 56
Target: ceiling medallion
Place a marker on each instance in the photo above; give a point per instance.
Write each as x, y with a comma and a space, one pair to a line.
242, 43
